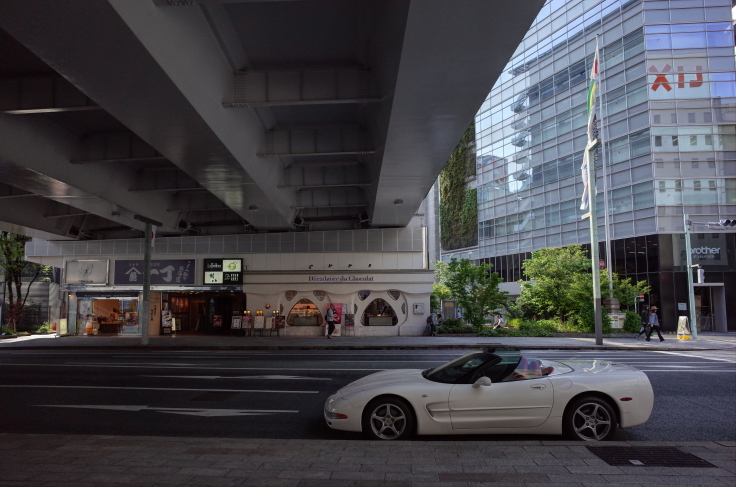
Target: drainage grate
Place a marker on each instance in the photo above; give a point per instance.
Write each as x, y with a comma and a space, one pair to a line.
644, 456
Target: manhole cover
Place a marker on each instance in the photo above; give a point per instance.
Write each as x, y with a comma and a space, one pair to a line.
645, 456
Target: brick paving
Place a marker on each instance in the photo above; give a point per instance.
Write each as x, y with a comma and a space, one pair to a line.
84, 460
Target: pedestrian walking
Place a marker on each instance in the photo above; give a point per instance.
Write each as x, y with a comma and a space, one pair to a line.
434, 323
330, 319
654, 323
644, 321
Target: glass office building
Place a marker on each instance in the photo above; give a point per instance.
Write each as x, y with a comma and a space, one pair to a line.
668, 121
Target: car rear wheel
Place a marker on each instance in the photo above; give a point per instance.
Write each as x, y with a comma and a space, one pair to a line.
589, 419
388, 418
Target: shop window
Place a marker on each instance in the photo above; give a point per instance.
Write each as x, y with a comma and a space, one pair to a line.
355, 308
379, 313
320, 295
304, 313
289, 295
362, 295
403, 308
394, 294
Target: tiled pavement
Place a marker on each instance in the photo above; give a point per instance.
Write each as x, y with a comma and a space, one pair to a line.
81, 461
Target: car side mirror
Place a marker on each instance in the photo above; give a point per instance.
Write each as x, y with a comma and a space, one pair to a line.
482, 381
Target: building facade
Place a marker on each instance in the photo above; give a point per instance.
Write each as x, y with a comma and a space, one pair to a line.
668, 121
378, 279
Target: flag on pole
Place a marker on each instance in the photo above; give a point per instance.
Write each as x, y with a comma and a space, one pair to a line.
592, 88
153, 236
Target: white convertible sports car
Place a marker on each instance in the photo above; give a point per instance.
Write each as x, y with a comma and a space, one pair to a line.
495, 392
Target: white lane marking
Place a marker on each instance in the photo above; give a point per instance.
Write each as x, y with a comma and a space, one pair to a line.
392, 361
34, 386
209, 413
258, 377
136, 363
731, 361
198, 367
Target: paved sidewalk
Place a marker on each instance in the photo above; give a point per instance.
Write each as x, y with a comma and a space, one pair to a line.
706, 341
81, 461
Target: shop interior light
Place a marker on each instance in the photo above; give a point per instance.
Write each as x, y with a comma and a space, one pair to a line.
259, 313
246, 312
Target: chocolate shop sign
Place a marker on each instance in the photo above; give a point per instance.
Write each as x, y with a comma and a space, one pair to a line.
341, 279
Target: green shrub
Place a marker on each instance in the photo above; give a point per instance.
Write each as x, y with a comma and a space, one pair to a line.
45, 328
543, 328
487, 331
7, 330
455, 326
515, 322
632, 323
583, 321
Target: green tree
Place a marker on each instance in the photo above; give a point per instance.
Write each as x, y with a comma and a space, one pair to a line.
555, 275
475, 288
458, 205
627, 292
14, 268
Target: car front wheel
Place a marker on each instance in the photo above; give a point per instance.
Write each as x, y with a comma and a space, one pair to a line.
388, 418
589, 419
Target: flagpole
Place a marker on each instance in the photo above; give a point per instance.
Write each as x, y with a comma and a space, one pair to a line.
609, 258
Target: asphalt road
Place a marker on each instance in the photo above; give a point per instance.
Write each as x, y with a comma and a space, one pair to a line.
280, 394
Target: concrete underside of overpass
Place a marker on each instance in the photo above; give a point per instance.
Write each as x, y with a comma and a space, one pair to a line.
218, 117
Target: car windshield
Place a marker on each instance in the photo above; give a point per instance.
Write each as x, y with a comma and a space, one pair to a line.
456, 371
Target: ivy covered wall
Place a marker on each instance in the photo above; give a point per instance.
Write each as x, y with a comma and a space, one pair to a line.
459, 205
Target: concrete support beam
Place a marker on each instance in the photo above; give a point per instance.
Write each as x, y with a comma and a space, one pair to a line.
332, 141
303, 87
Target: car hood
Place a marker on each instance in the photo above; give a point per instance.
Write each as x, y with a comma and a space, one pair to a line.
595, 366
383, 379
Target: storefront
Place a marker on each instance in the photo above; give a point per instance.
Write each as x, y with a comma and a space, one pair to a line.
215, 296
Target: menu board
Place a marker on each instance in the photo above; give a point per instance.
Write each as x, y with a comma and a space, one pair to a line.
260, 322
166, 323
236, 323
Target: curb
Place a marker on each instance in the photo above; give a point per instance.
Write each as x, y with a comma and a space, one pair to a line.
370, 347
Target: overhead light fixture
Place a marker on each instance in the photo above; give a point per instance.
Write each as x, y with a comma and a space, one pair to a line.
398, 202
253, 208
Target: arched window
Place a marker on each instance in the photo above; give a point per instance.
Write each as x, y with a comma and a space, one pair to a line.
320, 295
289, 295
304, 313
362, 295
395, 295
379, 313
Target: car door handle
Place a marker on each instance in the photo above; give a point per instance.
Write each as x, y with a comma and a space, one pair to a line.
539, 386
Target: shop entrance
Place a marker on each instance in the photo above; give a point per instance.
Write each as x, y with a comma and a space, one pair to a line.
203, 312
107, 315
710, 307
